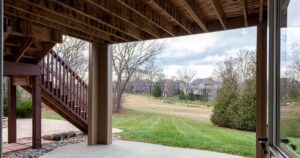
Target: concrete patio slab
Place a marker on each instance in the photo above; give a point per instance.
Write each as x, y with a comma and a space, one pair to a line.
129, 149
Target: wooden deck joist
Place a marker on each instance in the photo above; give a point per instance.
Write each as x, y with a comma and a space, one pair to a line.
245, 11
128, 16
23, 48
218, 9
149, 14
190, 6
21, 14
172, 12
116, 21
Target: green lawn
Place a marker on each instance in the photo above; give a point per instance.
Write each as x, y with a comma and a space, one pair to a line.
183, 132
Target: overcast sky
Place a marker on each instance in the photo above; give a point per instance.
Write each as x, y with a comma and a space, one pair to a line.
202, 52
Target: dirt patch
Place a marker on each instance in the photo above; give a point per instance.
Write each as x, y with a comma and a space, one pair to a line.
147, 104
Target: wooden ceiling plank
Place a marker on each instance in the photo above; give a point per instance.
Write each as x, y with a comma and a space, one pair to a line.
245, 11
217, 6
191, 8
148, 14
81, 24
172, 11
88, 10
16, 12
119, 11
26, 43
23, 14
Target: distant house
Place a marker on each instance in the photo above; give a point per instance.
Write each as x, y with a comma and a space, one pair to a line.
139, 86
205, 88
202, 88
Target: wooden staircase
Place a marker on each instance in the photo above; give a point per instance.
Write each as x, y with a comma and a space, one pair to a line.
63, 90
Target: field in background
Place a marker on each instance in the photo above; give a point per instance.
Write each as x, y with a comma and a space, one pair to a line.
148, 104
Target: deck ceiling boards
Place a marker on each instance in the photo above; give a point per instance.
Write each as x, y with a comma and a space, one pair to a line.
116, 21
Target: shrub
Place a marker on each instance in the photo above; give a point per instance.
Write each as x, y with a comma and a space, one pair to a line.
190, 96
243, 112
226, 96
182, 95
157, 92
24, 109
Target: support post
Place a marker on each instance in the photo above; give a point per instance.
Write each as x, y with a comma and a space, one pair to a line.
100, 94
36, 112
12, 114
261, 87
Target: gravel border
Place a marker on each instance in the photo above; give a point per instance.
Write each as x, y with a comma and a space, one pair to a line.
34, 153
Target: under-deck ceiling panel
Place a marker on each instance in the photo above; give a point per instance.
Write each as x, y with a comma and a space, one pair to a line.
116, 21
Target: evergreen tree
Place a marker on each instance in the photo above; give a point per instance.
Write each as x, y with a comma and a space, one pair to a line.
156, 92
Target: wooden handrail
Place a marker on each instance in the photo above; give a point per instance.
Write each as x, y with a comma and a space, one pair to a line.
65, 84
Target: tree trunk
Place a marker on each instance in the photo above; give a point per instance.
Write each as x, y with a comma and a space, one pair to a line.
117, 101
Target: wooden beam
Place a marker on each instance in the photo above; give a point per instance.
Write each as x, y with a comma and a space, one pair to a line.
47, 48
20, 69
100, 95
173, 12
36, 113
193, 10
218, 9
245, 11
261, 87
12, 112
149, 14
23, 48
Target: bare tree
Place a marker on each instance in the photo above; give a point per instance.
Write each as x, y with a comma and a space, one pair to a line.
187, 75
153, 71
290, 84
74, 52
127, 58
245, 63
